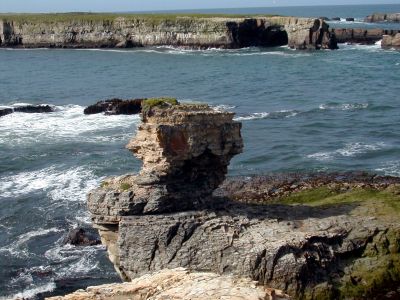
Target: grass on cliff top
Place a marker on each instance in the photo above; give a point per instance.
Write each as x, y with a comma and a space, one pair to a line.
152, 102
109, 17
323, 196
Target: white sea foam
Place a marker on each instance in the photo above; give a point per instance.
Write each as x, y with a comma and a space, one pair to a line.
253, 116
273, 115
369, 48
18, 247
344, 106
66, 124
223, 107
391, 168
349, 150
32, 292
59, 185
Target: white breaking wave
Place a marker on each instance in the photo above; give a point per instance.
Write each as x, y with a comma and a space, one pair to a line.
391, 168
264, 115
349, 150
223, 107
60, 185
345, 106
30, 293
68, 123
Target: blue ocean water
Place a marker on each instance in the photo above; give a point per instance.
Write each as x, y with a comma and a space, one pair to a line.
301, 111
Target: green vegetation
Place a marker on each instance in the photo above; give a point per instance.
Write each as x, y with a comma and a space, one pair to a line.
324, 196
148, 104
108, 17
125, 186
104, 184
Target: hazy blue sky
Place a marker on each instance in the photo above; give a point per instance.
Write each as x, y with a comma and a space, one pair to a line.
140, 5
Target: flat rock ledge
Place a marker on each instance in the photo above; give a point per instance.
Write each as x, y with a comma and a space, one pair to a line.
166, 217
179, 284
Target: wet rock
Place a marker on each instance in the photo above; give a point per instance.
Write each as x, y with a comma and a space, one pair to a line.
382, 17
79, 237
115, 107
336, 19
5, 111
350, 19
27, 109
34, 109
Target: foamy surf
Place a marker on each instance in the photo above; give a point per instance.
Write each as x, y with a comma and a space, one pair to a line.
67, 123
270, 115
349, 150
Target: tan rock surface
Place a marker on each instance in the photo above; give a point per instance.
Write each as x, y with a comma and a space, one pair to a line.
179, 284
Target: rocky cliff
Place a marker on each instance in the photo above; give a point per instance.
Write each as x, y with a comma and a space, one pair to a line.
382, 17
138, 31
391, 41
361, 35
328, 243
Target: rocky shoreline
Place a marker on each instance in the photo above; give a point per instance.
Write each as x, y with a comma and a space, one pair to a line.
321, 236
91, 31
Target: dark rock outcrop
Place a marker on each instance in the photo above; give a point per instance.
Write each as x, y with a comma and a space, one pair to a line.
27, 109
382, 17
350, 19
5, 111
192, 32
79, 237
336, 19
115, 107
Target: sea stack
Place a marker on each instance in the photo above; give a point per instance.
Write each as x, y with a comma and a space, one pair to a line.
167, 217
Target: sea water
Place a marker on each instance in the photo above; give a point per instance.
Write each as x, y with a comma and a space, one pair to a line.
301, 112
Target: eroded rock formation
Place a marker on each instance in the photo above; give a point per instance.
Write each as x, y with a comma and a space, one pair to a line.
382, 17
360, 35
391, 41
73, 32
165, 218
179, 284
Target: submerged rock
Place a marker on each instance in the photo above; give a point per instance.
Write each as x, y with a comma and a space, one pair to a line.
180, 284
115, 107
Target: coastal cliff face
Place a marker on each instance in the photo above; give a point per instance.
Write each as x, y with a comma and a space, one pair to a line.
165, 217
381, 17
361, 35
221, 32
391, 41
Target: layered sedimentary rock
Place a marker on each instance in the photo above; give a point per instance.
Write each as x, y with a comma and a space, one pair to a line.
382, 17
299, 33
391, 41
179, 284
165, 218
360, 35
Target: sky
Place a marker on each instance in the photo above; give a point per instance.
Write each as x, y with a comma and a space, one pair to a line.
151, 5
